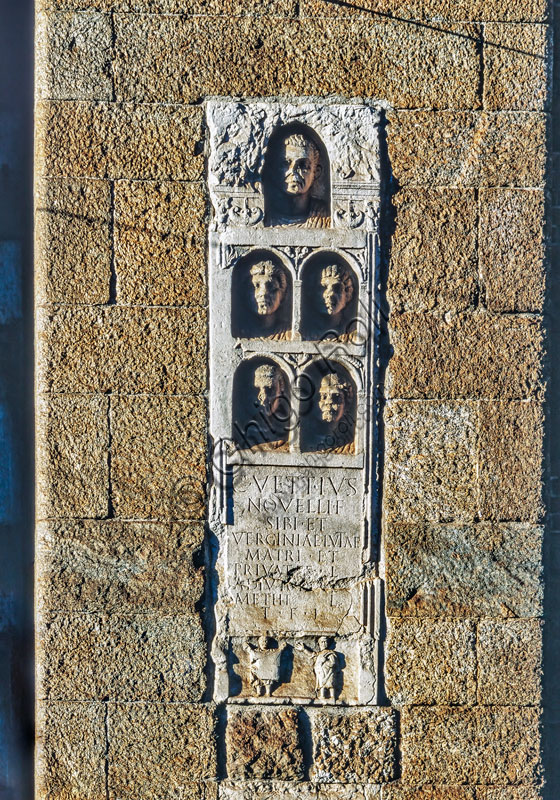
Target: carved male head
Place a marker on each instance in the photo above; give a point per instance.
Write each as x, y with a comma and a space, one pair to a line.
334, 394
269, 284
299, 164
263, 642
270, 386
337, 288
323, 642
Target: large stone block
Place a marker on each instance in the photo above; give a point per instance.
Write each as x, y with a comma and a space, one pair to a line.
160, 243
73, 241
430, 662
157, 59
263, 743
107, 140
458, 745
436, 10
451, 148
226, 8
433, 251
512, 249
71, 747
509, 662
143, 657
508, 793
159, 457
430, 461
72, 456
516, 66
354, 746
123, 349
161, 750
400, 792
478, 570
466, 356
510, 462
74, 54
113, 566
290, 790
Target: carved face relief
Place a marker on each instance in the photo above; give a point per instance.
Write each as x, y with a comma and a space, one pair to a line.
299, 165
323, 643
269, 284
337, 288
332, 398
263, 642
269, 383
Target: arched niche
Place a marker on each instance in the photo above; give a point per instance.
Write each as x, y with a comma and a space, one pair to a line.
328, 404
296, 178
262, 414
329, 298
261, 297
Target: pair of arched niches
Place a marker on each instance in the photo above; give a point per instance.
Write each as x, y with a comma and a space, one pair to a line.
292, 316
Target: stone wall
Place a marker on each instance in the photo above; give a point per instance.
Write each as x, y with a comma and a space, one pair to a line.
124, 706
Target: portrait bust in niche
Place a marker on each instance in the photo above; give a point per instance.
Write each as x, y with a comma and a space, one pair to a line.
330, 294
261, 407
329, 417
295, 180
261, 299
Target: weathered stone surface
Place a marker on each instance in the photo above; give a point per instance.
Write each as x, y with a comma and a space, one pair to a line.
143, 657
119, 141
510, 463
508, 793
72, 456
159, 457
431, 662
451, 148
120, 349
73, 241
160, 243
74, 56
400, 792
117, 566
354, 746
509, 662
470, 745
263, 743
516, 66
71, 746
477, 355
227, 8
512, 249
449, 570
157, 59
433, 251
436, 10
430, 461
161, 750
261, 790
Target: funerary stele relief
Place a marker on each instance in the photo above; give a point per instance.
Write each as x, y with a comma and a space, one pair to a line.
297, 579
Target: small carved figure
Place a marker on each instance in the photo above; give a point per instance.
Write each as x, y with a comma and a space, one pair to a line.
272, 403
296, 165
335, 398
338, 288
271, 391
326, 667
270, 286
264, 665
